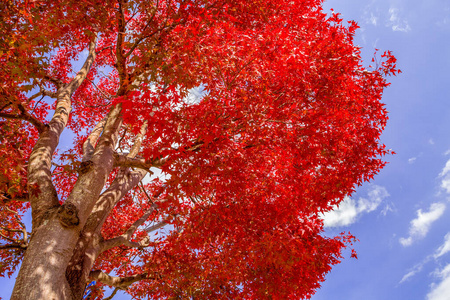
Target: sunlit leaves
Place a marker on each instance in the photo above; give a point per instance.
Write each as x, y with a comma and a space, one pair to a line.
286, 124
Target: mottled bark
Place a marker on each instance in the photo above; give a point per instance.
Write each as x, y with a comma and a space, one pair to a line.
89, 245
66, 238
55, 232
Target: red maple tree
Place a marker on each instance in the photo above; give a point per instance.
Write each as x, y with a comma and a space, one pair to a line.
258, 115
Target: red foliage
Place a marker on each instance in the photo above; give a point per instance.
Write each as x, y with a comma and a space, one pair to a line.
285, 124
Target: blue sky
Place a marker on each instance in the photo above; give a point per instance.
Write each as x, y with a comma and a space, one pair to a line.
402, 217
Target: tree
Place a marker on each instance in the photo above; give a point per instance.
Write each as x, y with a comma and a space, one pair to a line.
259, 114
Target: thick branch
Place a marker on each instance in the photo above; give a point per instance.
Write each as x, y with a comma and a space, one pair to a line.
140, 163
122, 184
43, 195
120, 282
81, 75
120, 57
138, 140
89, 244
125, 239
88, 145
95, 171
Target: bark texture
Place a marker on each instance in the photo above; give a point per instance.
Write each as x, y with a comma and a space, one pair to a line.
56, 228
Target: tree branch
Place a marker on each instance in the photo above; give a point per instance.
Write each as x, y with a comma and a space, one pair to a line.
119, 282
26, 116
121, 59
138, 140
155, 227
112, 294
88, 145
21, 243
42, 91
107, 96
140, 163
7, 238
57, 82
43, 195
125, 238
142, 38
81, 75
89, 244
22, 198
17, 246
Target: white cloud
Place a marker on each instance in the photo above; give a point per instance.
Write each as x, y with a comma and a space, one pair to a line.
371, 14
349, 210
445, 174
441, 290
412, 160
444, 21
421, 225
431, 141
416, 269
373, 20
388, 208
344, 215
397, 23
444, 248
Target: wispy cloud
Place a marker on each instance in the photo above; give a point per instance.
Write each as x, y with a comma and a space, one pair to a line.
371, 14
444, 21
421, 224
445, 175
412, 160
389, 207
416, 269
415, 158
441, 290
444, 248
349, 210
373, 19
397, 23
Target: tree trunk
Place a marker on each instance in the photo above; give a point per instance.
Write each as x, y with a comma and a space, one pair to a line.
42, 274
56, 228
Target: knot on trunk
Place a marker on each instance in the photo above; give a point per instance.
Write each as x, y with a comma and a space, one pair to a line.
68, 215
85, 166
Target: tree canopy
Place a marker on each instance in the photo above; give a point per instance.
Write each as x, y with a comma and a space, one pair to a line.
259, 116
